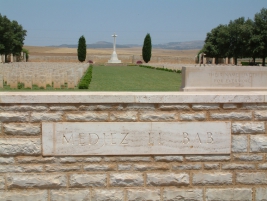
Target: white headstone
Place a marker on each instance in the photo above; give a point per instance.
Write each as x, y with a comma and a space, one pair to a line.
28, 81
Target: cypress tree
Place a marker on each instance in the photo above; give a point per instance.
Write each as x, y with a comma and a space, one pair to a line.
81, 49
147, 48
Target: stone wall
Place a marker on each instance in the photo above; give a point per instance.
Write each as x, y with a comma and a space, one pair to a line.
26, 175
104, 58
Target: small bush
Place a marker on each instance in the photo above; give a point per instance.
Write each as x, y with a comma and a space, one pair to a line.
90, 62
86, 79
139, 62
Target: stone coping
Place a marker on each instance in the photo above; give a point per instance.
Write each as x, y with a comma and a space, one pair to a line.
133, 97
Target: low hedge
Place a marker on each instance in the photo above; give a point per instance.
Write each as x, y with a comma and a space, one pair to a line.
159, 68
86, 79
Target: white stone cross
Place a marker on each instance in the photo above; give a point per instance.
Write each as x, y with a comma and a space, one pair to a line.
114, 42
114, 58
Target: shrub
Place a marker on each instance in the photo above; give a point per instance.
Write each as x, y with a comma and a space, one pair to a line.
139, 62
86, 79
90, 62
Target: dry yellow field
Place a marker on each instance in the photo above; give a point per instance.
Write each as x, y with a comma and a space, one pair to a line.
55, 51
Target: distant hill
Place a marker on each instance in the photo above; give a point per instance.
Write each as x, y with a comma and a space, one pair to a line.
188, 45
198, 44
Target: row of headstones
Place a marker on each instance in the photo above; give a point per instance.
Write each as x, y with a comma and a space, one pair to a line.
41, 76
11, 57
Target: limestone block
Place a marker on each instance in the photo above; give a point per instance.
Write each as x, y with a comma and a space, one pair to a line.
211, 166
187, 167
36, 195
261, 194
20, 146
206, 106
88, 116
254, 106
167, 179
47, 181
260, 115
88, 180
21, 168
170, 194
41, 117
236, 166
70, 159
134, 159
140, 107
174, 107
63, 108
229, 106
128, 116
262, 166
246, 157
100, 167
169, 158
25, 108
229, 194
22, 129
14, 116
158, 116
240, 116
34, 159
2, 183
61, 168
217, 178
248, 127
126, 179
150, 167
251, 178
193, 116
239, 143
92, 159
70, 195
124, 167
6, 160
140, 195
258, 143
207, 158
108, 194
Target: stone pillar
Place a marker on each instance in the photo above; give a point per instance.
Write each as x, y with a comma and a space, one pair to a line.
11, 58
4, 58
0, 58
199, 58
24, 57
204, 60
226, 60
213, 60
232, 61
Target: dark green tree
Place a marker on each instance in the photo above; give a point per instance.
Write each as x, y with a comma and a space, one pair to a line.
260, 34
217, 42
239, 37
81, 51
12, 36
147, 48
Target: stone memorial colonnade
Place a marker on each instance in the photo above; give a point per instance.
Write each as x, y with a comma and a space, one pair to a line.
28, 173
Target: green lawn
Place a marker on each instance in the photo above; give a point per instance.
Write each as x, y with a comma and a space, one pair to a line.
133, 78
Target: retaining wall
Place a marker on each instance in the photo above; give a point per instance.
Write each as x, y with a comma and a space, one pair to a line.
26, 175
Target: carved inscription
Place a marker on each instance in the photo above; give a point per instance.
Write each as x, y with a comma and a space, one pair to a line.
136, 138
237, 79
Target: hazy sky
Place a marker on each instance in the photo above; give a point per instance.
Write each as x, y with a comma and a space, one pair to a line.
56, 22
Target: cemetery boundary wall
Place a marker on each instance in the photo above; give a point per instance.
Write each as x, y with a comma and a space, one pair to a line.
27, 175
104, 58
